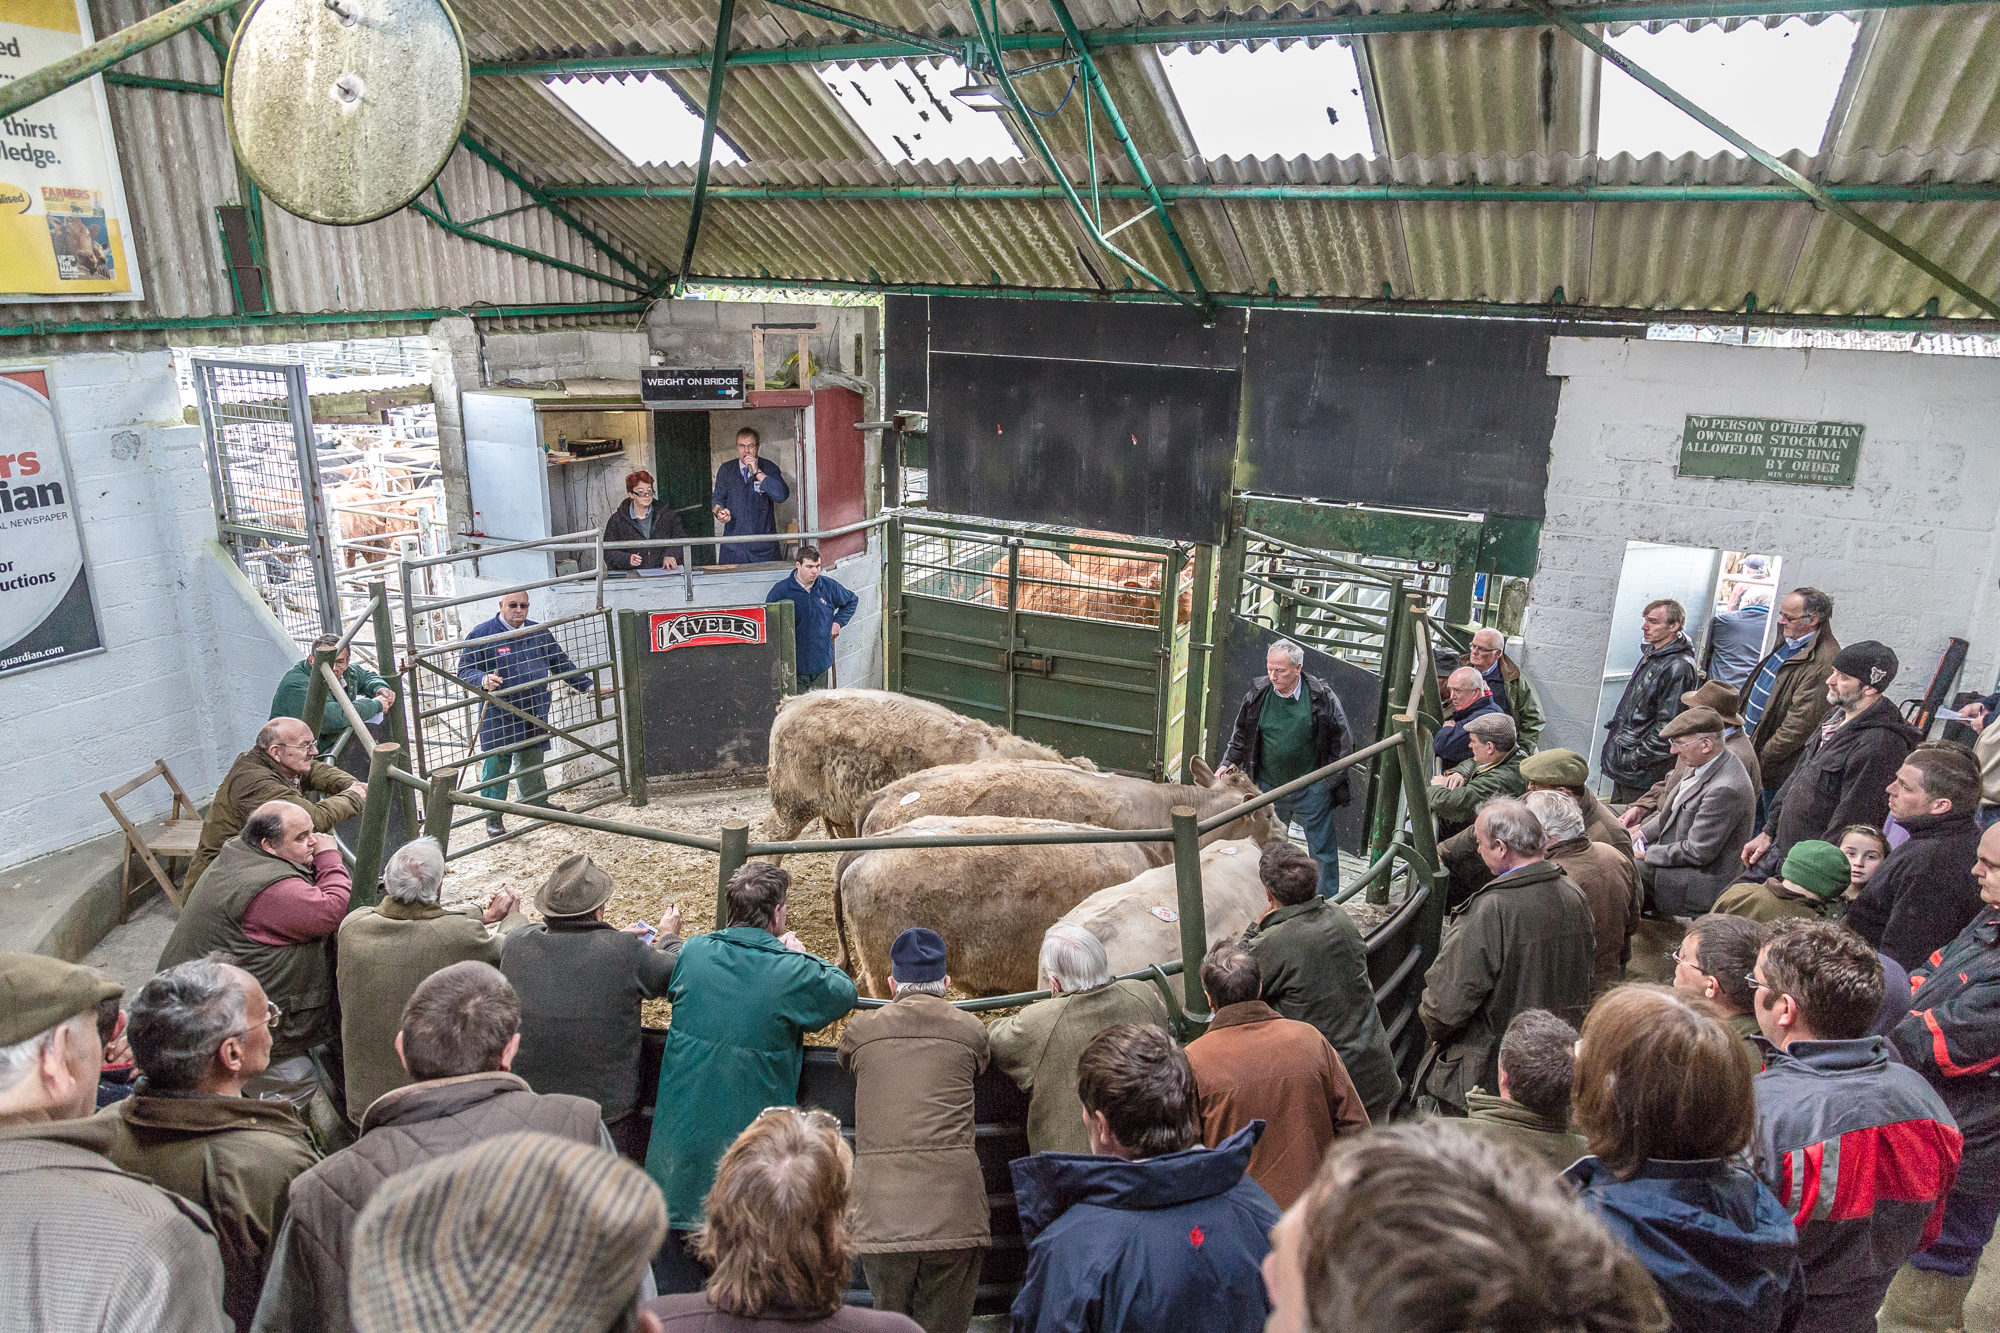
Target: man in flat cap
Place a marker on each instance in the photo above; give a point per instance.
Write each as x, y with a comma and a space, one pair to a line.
920, 1214
581, 982
1687, 849
1842, 776
1566, 770
1723, 700
83, 1244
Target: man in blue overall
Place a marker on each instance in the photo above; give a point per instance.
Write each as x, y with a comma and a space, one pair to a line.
819, 608
747, 495
511, 669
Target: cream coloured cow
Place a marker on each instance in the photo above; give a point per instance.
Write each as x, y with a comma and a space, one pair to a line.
1139, 921
831, 748
1030, 789
991, 904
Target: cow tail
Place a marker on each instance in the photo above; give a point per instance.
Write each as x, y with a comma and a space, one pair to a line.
840, 919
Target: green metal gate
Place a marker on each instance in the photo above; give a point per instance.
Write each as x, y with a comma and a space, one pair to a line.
1060, 635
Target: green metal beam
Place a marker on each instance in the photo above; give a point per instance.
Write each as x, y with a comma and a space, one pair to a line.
1924, 193
935, 46
724, 17
1241, 30
291, 319
563, 215
522, 250
118, 80
99, 56
1880, 235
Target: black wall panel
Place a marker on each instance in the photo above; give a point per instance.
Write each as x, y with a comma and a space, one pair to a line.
1093, 444
1416, 412
1152, 335
906, 332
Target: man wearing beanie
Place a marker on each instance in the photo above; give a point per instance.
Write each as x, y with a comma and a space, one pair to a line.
1812, 879
920, 1212
1924, 893
1687, 850
83, 1244
1842, 776
526, 1231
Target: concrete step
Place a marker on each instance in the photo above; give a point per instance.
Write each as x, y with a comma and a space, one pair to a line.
62, 904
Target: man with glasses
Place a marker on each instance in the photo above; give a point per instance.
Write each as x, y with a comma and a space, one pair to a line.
1511, 689
514, 669
1714, 961
282, 766
748, 491
1784, 698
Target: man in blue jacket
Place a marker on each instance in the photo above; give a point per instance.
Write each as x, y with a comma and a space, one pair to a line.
820, 607
1153, 1231
515, 668
747, 495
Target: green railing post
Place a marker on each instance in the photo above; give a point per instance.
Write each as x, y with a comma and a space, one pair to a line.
1423, 835
374, 825
892, 607
735, 851
315, 704
396, 720
631, 705
437, 806
1194, 915
1385, 787
1201, 646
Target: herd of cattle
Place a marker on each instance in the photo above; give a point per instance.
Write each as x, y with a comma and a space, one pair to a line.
870, 763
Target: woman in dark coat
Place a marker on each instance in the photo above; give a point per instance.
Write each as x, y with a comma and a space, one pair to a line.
638, 519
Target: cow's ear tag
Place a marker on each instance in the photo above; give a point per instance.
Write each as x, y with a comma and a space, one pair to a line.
909, 796
1165, 913
1229, 851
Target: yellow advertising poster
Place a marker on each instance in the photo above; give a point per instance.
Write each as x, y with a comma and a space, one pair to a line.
64, 228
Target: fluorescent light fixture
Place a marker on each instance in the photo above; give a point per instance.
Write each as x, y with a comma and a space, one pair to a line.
1776, 86
645, 118
910, 110
982, 94
1264, 102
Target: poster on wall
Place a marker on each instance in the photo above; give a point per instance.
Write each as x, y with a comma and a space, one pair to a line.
1804, 453
47, 611
65, 232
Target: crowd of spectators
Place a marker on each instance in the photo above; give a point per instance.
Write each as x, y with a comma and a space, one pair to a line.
1796, 1128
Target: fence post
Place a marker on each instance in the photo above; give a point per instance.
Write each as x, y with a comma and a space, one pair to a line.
631, 706
395, 721
374, 825
1423, 832
437, 806
314, 707
735, 851
1387, 788
1194, 915
892, 606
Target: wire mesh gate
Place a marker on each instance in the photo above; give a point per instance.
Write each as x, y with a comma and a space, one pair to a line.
256, 423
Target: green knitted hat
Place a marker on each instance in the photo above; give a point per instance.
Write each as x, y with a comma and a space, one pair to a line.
1820, 868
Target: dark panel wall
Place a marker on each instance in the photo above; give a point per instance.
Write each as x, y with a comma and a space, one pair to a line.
1082, 331
1417, 412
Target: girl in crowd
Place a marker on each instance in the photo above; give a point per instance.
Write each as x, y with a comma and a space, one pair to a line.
1865, 847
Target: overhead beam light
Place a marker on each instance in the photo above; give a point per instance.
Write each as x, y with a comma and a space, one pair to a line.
981, 94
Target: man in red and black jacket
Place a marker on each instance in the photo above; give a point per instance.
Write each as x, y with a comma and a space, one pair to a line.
1952, 1038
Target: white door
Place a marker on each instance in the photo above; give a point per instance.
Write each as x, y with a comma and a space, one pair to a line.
509, 478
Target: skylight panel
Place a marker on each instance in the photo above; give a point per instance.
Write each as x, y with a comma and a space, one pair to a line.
1776, 86
907, 111
645, 118
1261, 102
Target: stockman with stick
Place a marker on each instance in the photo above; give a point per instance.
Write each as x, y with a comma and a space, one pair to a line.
516, 669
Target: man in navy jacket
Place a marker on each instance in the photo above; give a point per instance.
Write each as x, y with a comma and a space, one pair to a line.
747, 495
516, 668
820, 607
1153, 1231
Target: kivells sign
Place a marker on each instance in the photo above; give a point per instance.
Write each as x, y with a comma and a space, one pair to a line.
701, 629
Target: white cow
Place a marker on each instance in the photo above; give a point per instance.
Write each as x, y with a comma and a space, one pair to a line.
1139, 920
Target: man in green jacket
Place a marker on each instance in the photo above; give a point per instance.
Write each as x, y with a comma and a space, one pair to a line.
280, 767
1537, 1065
371, 694
744, 999
1488, 656
1494, 770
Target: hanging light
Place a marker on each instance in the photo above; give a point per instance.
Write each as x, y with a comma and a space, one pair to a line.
982, 92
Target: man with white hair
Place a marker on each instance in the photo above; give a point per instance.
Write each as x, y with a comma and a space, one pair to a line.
1038, 1047
1512, 690
83, 1244
387, 950
1524, 941
1606, 876
1289, 724
1466, 694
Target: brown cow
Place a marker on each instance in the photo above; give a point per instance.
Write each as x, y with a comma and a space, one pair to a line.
1119, 569
991, 904
1051, 585
368, 537
831, 748
1030, 789
1139, 921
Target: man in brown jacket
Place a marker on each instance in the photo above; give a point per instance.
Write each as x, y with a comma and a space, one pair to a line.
1785, 698
199, 1032
1566, 770
920, 1215
281, 766
1610, 883
1252, 1064
460, 1031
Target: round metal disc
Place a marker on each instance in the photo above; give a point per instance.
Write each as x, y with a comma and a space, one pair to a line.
343, 111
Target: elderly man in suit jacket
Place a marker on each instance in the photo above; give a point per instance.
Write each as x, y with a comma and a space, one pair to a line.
1687, 849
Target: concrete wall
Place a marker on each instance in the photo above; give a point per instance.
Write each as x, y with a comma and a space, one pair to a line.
192, 656
1909, 553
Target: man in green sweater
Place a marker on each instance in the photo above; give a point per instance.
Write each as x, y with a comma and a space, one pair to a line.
371, 694
1288, 725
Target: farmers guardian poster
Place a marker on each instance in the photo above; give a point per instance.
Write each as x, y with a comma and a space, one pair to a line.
65, 233
47, 613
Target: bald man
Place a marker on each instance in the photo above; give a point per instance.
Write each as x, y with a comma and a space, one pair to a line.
1467, 696
1509, 688
281, 766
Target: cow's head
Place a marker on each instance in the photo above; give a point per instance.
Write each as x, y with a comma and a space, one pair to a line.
1261, 824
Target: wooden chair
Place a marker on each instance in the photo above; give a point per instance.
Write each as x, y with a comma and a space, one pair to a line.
177, 836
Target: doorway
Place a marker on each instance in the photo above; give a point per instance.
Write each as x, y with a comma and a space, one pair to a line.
682, 472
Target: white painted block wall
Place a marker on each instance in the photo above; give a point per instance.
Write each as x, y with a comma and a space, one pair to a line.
192, 656
1909, 554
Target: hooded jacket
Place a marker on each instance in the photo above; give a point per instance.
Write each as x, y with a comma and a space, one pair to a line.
1505, 1120
1924, 894
1517, 695
1842, 778
1634, 755
1332, 738
1715, 1239
1952, 1037
1169, 1242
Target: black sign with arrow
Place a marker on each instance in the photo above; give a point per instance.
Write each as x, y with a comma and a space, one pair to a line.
691, 387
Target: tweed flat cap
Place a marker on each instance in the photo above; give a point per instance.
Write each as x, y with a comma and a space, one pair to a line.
577, 887
1555, 768
1718, 696
38, 992
519, 1233
1693, 722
